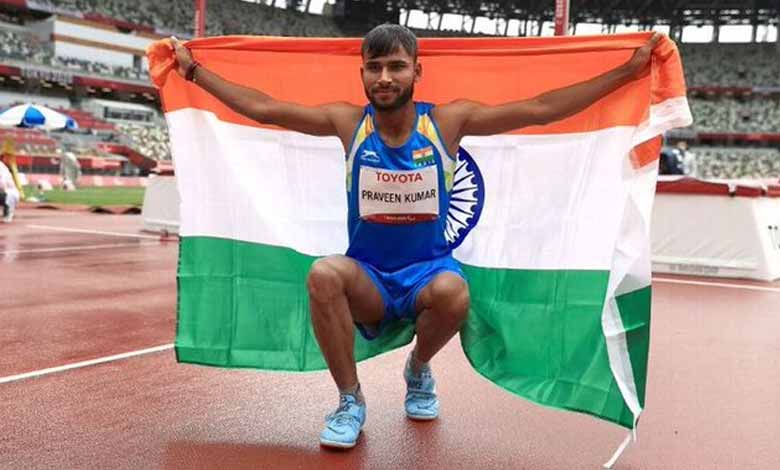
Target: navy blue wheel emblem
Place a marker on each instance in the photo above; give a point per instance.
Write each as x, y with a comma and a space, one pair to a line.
466, 199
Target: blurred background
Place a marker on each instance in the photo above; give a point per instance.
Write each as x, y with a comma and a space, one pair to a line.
85, 59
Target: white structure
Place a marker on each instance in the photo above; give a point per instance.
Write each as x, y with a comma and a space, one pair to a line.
716, 228
161, 205
702, 228
118, 111
82, 39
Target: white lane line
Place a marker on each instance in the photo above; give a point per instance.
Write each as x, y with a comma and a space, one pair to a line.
77, 248
77, 365
716, 284
94, 232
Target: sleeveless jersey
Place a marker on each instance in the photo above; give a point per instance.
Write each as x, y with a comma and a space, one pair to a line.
398, 197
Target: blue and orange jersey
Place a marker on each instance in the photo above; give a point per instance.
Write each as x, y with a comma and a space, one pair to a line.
398, 197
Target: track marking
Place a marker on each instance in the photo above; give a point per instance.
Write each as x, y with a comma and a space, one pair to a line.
715, 284
78, 365
94, 232
77, 248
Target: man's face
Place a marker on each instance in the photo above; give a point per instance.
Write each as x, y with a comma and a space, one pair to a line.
389, 80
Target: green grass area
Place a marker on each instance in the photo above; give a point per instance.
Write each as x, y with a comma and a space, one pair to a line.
91, 196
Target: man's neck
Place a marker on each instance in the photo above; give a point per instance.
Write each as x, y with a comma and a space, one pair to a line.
395, 126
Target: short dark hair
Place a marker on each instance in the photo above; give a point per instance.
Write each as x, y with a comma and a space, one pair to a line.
386, 39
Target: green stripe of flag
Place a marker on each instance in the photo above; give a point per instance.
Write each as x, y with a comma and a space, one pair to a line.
245, 305
635, 312
536, 333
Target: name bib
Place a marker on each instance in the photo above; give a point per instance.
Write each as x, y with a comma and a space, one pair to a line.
398, 197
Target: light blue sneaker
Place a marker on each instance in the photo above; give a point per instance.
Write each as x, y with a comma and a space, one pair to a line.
421, 402
342, 427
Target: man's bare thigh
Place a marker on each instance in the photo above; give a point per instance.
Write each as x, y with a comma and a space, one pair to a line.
365, 302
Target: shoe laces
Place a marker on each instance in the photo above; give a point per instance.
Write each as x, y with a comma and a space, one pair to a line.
421, 396
415, 385
342, 416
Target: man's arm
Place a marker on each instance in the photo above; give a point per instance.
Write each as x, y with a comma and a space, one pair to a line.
332, 119
463, 117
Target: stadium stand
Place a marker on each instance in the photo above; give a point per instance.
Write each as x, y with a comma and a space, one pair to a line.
734, 162
735, 88
731, 65
144, 14
151, 141
223, 17
87, 120
736, 115
8, 99
24, 46
29, 141
28, 47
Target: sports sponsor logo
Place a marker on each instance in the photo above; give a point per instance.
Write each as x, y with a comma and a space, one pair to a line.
397, 196
395, 177
369, 156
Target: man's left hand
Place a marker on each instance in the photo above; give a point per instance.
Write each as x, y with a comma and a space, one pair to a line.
639, 64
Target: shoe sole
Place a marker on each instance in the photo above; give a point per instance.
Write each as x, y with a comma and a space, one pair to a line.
337, 445
421, 417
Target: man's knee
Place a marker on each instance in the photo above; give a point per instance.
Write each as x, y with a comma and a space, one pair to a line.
324, 282
449, 296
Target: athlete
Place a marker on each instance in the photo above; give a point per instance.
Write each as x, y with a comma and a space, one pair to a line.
400, 161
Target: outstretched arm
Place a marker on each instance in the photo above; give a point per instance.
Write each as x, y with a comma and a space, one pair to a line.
471, 118
333, 119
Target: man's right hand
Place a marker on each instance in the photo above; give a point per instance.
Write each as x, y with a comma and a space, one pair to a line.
332, 119
183, 56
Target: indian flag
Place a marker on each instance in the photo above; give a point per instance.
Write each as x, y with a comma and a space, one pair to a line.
558, 262
422, 156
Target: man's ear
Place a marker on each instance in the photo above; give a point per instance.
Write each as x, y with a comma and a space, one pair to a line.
417, 72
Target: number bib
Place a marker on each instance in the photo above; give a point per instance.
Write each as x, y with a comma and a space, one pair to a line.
398, 197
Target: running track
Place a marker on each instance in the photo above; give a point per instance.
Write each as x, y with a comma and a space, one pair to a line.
78, 287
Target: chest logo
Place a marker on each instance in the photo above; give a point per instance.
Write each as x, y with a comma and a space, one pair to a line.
369, 156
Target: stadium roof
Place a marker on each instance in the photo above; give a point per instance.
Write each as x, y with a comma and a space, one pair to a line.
642, 12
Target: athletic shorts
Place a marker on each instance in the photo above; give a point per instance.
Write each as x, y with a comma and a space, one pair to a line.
399, 289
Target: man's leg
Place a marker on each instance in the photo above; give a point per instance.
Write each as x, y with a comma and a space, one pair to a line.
341, 293
443, 306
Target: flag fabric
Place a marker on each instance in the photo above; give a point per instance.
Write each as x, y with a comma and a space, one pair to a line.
557, 252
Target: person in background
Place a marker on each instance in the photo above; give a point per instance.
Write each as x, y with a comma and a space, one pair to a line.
9, 194
671, 162
688, 158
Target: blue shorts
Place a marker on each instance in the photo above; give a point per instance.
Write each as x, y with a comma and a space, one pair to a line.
399, 289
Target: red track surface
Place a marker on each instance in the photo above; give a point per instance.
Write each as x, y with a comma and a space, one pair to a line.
713, 400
